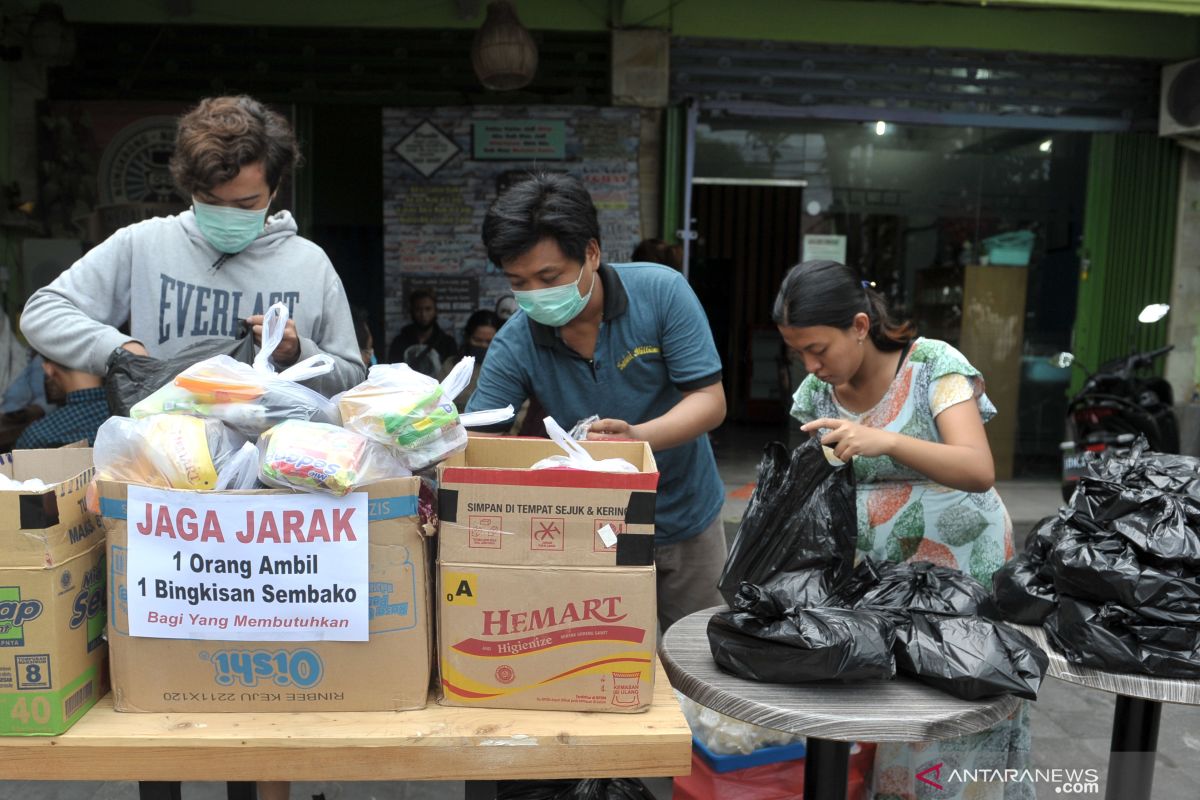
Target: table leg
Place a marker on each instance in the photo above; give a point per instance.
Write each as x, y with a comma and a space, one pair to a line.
826, 763
241, 790
480, 790
1134, 746
159, 790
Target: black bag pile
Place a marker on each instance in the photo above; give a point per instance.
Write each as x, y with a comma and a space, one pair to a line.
800, 611
1115, 578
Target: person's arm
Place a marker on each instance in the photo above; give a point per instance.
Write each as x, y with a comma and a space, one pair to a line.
962, 460
693, 366
55, 322
502, 378
333, 335
696, 414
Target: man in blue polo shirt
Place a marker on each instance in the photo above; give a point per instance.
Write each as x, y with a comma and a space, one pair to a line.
628, 342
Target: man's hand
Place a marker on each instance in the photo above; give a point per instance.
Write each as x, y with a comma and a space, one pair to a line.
137, 348
606, 429
851, 439
288, 350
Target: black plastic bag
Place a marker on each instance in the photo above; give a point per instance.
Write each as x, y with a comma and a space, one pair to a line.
969, 657
913, 586
1023, 588
762, 641
1105, 570
801, 518
131, 378
1151, 499
587, 789
1113, 638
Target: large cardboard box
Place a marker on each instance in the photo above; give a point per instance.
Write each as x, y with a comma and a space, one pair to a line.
546, 578
390, 672
52, 653
493, 509
561, 638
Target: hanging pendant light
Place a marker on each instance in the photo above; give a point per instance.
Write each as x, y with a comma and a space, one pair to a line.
503, 54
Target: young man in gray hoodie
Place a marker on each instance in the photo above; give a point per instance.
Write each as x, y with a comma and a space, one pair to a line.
197, 274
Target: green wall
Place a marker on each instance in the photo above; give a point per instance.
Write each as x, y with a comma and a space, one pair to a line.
1160, 36
1128, 247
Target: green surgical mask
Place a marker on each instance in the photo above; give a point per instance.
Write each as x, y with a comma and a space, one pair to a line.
556, 305
230, 230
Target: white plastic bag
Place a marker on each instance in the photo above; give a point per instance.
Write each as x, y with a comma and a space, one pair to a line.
577, 457
315, 457
400, 407
241, 470
248, 398
168, 450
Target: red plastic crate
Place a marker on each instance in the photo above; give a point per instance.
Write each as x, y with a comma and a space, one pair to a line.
783, 780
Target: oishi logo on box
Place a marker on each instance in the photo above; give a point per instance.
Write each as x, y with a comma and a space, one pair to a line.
14, 613
301, 668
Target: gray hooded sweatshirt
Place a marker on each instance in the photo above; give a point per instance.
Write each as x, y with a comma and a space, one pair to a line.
175, 288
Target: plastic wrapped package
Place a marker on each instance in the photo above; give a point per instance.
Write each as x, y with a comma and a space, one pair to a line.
801, 517
913, 586
240, 472
724, 735
315, 457
969, 657
1101, 570
246, 399
761, 641
172, 451
576, 457
1111, 637
1023, 588
399, 407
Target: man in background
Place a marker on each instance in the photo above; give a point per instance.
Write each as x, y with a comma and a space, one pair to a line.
422, 344
83, 409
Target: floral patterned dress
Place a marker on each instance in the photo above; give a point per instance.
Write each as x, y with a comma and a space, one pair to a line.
904, 516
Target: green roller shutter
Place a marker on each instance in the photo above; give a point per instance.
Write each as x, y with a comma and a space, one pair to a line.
1128, 246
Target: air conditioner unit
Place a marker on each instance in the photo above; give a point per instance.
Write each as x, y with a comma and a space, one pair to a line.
1179, 109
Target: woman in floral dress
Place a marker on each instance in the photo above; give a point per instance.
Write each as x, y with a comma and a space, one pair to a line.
910, 412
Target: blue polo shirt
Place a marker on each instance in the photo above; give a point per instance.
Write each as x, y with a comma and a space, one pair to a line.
654, 344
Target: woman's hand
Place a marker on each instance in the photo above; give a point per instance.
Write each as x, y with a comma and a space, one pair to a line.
851, 439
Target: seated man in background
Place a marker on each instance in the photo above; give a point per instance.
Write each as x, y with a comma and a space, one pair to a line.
83, 409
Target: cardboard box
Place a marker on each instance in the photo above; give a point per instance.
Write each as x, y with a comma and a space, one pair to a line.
561, 638
390, 672
53, 659
493, 509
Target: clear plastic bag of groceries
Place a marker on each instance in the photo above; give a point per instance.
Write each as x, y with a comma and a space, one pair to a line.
399, 407
316, 457
169, 450
250, 398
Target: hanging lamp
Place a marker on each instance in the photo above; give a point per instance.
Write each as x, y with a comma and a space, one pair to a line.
503, 54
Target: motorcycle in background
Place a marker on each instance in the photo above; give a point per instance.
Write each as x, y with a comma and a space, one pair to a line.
1117, 404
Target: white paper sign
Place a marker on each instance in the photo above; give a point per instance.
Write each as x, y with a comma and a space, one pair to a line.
284, 567
824, 247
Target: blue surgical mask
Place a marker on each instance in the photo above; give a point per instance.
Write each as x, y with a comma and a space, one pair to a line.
374, 360
230, 230
556, 305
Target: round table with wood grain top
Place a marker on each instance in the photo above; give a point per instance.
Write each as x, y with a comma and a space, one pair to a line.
1138, 711
831, 715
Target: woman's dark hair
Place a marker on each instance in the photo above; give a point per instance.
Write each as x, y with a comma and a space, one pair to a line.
543, 206
829, 293
482, 318
656, 251
223, 134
